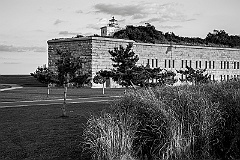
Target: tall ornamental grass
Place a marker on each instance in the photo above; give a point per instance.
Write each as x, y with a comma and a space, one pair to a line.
110, 136
185, 122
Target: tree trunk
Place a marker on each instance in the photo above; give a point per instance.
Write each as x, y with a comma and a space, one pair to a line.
103, 88
64, 112
48, 90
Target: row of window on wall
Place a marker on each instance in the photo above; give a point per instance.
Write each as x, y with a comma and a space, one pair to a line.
225, 65
168, 63
154, 63
227, 77
198, 64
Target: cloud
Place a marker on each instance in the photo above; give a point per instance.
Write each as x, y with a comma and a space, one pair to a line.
58, 21
122, 10
147, 12
67, 33
170, 27
11, 62
122, 20
40, 49
94, 26
79, 11
10, 48
173, 17
139, 16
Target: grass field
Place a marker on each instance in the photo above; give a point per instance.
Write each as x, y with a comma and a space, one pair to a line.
22, 80
40, 93
39, 133
32, 90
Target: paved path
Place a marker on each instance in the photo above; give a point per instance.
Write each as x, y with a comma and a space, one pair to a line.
55, 101
13, 86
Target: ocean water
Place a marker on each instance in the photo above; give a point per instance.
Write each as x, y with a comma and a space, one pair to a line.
21, 63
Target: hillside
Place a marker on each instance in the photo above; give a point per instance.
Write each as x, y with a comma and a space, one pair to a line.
148, 34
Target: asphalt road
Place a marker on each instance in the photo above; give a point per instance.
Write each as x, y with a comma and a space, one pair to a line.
56, 101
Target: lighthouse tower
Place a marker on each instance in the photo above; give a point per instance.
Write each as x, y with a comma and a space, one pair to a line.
111, 28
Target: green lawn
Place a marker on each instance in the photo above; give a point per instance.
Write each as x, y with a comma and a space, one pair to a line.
40, 133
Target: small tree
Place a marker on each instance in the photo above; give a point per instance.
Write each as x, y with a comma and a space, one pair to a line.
195, 76
68, 68
45, 76
124, 61
101, 77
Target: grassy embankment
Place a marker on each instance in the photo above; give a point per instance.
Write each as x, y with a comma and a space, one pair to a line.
187, 122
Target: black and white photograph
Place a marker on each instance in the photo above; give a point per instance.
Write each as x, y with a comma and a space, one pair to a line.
119, 80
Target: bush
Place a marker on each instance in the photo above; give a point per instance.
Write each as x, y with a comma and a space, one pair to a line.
110, 136
185, 122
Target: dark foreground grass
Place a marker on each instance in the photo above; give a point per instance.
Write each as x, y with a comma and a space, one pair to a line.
38, 132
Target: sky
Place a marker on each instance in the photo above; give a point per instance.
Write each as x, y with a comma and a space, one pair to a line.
26, 25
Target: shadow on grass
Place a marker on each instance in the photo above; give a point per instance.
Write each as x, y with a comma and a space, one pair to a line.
39, 132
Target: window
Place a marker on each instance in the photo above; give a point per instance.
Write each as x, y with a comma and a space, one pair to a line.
182, 63
237, 65
148, 62
173, 63
169, 63
190, 63
165, 65
221, 77
205, 64
213, 78
186, 63
221, 65
196, 64
227, 77
213, 64
234, 65
156, 62
200, 64
224, 65
152, 63
227, 65
209, 64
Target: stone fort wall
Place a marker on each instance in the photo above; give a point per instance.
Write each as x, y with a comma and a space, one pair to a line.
221, 63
